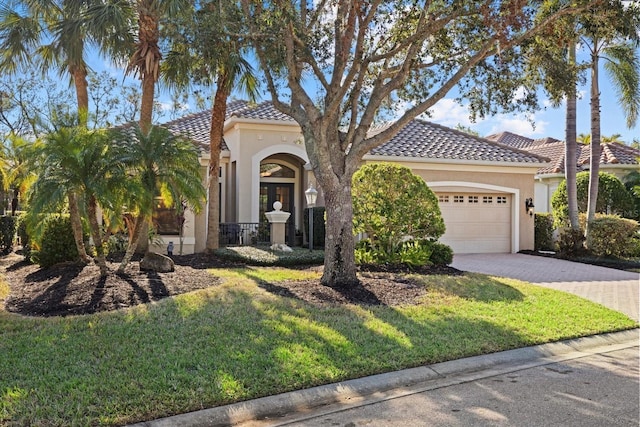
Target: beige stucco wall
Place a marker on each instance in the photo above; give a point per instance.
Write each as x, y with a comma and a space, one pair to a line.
249, 144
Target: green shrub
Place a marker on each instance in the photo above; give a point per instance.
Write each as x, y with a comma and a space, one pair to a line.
613, 198
441, 254
7, 233
58, 244
612, 236
543, 231
570, 241
256, 255
412, 253
23, 234
117, 244
392, 205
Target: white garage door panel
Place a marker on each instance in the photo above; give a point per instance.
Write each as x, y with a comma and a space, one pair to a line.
476, 222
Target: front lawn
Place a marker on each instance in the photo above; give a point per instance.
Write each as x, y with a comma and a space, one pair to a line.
243, 339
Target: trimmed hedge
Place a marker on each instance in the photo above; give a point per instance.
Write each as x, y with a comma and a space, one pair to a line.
58, 244
613, 197
612, 236
543, 232
441, 254
7, 233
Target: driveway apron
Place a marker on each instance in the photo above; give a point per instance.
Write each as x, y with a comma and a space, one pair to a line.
616, 289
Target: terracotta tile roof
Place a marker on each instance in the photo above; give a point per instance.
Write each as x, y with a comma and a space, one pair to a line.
196, 126
611, 153
262, 111
420, 139
511, 139
424, 139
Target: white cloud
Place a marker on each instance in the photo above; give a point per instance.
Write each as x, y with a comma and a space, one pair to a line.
448, 112
517, 124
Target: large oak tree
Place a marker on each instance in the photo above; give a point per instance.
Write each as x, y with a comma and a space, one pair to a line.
350, 65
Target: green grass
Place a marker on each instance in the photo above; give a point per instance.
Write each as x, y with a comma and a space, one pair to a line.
236, 341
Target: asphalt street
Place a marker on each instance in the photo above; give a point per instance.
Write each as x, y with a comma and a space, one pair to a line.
597, 390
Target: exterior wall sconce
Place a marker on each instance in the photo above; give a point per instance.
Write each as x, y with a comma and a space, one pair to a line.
311, 194
528, 206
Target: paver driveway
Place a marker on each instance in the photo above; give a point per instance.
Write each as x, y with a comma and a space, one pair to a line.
612, 288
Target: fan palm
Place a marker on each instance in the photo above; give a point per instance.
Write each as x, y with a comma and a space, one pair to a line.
147, 55
207, 50
158, 161
611, 36
50, 34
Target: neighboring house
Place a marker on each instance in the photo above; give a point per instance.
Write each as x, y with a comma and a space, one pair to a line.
481, 185
616, 158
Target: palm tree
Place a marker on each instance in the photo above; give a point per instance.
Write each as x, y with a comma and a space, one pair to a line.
80, 161
606, 36
209, 50
570, 149
53, 34
160, 162
146, 58
584, 138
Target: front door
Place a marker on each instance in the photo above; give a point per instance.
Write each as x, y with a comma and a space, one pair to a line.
270, 192
275, 192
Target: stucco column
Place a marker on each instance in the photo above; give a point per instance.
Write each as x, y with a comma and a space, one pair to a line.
277, 219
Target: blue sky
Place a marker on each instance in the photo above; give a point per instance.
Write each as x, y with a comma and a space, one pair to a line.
548, 122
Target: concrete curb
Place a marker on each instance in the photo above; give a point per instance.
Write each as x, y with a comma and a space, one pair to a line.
408, 381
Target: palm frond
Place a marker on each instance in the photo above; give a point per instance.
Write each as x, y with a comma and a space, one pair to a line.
623, 66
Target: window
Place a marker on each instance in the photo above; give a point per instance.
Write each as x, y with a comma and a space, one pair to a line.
165, 219
501, 200
443, 198
275, 170
473, 199
458, 199
487, 199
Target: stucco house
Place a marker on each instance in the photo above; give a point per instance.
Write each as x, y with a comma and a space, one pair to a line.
615, 158
481, 185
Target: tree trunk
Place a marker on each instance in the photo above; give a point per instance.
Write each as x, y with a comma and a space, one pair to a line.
146, 104
82, 94
218, 114
594, 168
92, 210
133, 243
76, 226
571, 144
339, 247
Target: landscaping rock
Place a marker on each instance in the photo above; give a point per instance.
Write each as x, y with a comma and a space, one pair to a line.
157, 262
281, 247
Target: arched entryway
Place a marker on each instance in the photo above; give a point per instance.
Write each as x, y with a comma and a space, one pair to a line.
280, 180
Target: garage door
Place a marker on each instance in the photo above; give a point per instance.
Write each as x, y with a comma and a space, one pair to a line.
476, 222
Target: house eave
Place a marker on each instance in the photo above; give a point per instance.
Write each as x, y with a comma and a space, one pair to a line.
231, 122
527, 165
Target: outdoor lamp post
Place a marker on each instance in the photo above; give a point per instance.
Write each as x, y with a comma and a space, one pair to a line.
311, 194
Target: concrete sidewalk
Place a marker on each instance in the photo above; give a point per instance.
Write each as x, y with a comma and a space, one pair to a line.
615, 289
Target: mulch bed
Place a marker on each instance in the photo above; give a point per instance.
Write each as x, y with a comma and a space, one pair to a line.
73, 289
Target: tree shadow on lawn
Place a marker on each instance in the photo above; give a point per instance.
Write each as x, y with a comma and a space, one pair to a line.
260, 347
474, 286
392, 289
